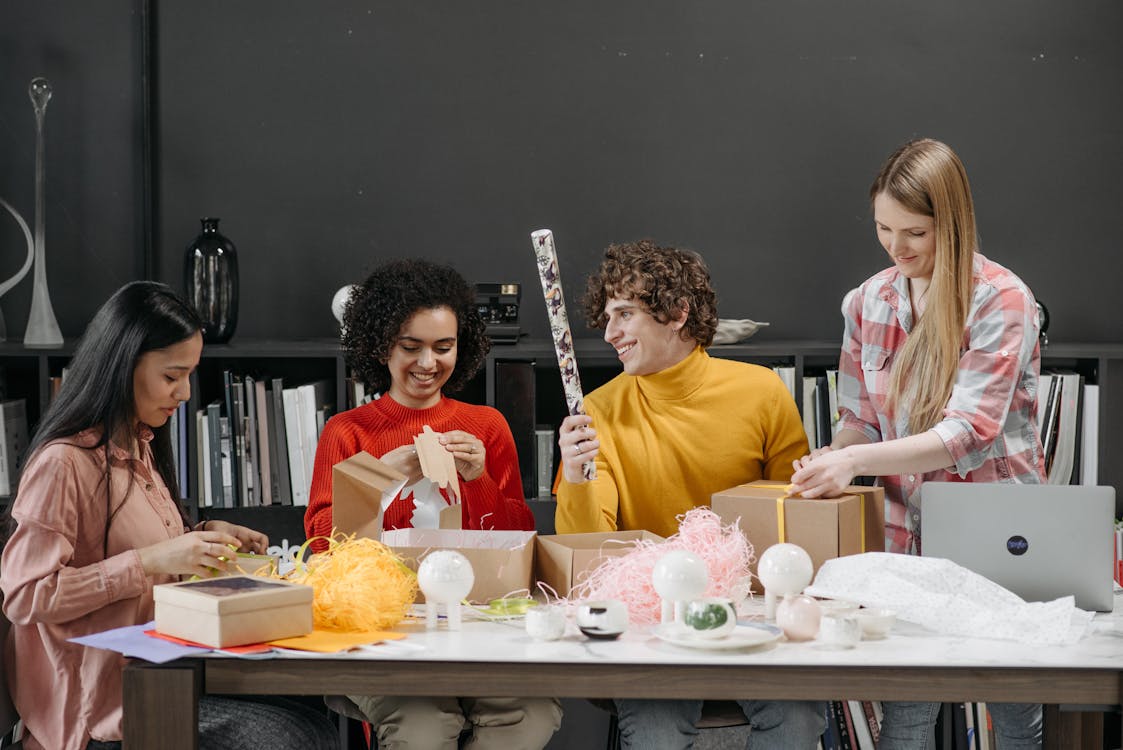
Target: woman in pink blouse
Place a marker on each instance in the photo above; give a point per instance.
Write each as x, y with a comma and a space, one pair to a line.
937, 379
97, 524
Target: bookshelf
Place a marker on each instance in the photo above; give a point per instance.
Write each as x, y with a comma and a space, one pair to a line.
521, 380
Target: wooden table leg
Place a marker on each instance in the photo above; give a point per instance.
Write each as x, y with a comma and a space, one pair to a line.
161, 706
1073, 730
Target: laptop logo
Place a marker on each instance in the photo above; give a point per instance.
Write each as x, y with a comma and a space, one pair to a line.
1017, 545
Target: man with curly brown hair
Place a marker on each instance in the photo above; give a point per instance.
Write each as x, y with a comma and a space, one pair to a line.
675, 427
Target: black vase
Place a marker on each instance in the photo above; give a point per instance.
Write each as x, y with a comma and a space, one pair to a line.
210, 278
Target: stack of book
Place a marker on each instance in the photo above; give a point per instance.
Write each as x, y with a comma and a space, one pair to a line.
257, 444
13, 443
1068, 423
856, 725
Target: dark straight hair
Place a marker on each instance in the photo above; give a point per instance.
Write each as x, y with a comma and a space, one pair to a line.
140, 317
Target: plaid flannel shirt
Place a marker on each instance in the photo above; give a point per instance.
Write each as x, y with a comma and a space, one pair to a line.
988, 426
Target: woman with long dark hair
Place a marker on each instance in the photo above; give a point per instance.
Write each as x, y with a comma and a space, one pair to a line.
97, 524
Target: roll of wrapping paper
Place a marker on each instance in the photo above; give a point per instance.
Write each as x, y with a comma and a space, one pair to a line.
549, 273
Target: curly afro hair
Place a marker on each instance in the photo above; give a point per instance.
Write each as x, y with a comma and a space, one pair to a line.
664, 279
381, 305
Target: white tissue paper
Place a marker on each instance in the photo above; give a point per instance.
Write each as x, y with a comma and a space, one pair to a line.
948, 599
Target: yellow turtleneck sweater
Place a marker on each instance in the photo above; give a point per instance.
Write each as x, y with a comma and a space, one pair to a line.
672, 439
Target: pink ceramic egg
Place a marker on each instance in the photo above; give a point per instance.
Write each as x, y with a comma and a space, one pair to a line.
798, 617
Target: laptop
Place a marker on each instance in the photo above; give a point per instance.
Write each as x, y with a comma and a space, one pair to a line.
1040, 541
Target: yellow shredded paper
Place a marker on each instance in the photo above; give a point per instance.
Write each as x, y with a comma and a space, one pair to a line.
357, 584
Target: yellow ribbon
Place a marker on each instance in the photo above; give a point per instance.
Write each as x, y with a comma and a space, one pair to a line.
781, 525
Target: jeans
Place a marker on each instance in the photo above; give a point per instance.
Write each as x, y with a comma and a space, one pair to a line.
670, 724
909, 726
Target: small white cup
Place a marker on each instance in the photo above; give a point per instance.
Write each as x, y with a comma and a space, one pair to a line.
712, 617
876, 623
602, 619
545, 622
839, 630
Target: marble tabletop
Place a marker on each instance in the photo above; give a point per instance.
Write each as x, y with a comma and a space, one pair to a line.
906, 645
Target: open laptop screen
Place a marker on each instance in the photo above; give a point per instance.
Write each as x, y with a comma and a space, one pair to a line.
1039, 541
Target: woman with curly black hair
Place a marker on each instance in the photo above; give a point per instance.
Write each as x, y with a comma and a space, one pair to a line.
411, 331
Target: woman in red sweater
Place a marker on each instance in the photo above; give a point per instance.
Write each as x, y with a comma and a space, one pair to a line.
411, 332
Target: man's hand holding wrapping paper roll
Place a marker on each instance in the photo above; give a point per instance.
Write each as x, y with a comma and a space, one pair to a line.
549, 273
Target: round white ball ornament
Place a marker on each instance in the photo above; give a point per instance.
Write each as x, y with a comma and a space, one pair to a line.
679, 576
339, 301
445, 577
783, 569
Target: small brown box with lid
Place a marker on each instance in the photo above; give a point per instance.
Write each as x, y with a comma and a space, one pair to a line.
233, 610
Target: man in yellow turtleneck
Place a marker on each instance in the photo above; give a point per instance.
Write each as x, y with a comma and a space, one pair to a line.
675, 427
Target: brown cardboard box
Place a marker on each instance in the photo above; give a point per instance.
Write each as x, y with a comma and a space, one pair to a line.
825, 528
360, 486
501, 560
233, 610
564, 560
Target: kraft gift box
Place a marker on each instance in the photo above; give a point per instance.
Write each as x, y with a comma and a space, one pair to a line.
501, 560
360, 486
562, 561
233, 610
826, 528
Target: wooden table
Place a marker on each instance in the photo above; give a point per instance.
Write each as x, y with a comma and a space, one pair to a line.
485, 658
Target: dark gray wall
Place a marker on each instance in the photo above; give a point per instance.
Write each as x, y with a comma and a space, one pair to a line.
91, 54
329, 135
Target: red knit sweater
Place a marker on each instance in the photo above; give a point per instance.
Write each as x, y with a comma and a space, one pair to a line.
494, 500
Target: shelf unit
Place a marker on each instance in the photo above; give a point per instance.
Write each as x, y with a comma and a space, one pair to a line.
27, 374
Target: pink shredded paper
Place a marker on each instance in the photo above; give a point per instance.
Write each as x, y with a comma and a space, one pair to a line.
724, 549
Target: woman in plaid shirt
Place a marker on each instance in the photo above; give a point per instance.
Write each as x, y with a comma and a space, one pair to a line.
937, 379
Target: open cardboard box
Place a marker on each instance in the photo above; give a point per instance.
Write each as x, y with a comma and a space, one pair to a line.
564, 560
233, 610
501, 560
361, 487
826, 528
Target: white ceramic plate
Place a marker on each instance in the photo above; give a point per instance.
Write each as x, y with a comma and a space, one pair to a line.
743, 636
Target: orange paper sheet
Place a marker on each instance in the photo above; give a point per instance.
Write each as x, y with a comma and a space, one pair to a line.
330, 641
319, 641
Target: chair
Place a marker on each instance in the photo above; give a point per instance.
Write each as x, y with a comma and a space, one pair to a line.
715, 715
9, 719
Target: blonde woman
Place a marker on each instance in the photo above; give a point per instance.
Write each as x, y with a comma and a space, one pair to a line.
937, 378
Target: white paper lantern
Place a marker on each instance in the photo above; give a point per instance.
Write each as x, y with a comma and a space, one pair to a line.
339, 301
679, 576
445, 577
784, 569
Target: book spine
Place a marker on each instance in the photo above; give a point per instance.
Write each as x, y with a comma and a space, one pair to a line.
293, 434
264, 456
280, 444
234, 427
214, 433
845, 726
872, 720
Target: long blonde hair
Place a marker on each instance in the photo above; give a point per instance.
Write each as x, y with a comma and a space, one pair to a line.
926, 177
